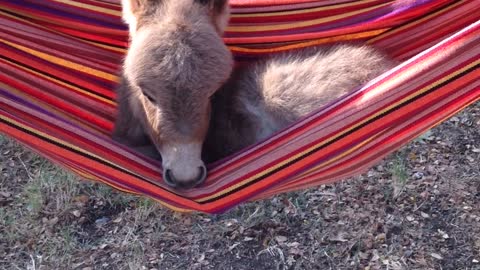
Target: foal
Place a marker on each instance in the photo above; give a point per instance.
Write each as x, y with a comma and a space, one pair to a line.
176, 61
177, 71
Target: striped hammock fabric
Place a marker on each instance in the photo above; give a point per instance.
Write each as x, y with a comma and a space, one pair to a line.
59, 60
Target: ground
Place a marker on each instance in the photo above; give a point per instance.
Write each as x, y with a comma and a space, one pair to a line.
418, 209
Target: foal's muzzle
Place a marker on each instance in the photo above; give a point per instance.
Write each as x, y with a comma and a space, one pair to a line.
169, 178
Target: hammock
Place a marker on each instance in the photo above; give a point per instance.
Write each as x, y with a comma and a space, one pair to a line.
58, 60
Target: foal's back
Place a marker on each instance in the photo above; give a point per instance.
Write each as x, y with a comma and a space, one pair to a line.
270, 95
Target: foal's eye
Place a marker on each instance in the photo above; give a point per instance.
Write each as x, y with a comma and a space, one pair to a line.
150, 98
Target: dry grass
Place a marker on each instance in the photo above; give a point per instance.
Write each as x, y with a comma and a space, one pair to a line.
419, 209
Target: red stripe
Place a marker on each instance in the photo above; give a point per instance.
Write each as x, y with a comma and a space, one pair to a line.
80, 114
39, 64
41, 17
304, 15
116, 41
65, 92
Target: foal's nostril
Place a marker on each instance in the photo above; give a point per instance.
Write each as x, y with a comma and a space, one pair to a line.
202, 176
171, 181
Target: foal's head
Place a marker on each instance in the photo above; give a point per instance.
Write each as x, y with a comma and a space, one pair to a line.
176, 61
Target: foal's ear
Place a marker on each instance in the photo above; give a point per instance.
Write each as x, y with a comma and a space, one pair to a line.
133, 6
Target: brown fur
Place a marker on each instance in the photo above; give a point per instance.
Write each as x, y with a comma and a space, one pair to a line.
177, 62
268, 96
164, 94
